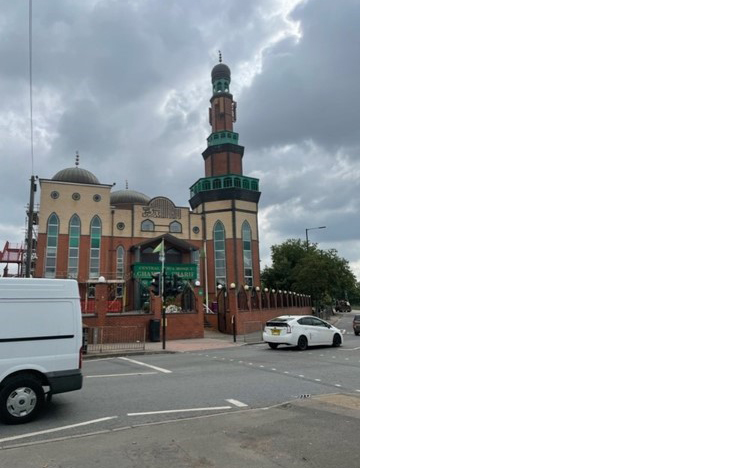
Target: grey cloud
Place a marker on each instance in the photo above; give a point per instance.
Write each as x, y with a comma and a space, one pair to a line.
310, 88
127, 84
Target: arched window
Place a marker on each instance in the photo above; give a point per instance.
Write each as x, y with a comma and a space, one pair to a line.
174, 227
216, 184
50, 260
74, 247
218, 237
95, 262
120, 263
147, 225
247, 257
119, 271
228, 182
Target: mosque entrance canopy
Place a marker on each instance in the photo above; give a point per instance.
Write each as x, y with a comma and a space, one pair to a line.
145, 270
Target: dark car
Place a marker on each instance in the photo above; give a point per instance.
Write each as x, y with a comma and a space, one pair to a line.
356, 325
342, 306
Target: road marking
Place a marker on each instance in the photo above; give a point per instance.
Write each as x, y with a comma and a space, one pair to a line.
301, 375
237, 403
337, 385
118, 375
159, 369
8, 439
273, 368
180, 410
317, 380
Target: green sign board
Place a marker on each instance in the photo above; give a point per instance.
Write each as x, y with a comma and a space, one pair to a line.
145, 270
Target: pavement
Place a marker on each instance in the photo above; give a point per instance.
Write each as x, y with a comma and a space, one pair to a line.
321, 431
212, 340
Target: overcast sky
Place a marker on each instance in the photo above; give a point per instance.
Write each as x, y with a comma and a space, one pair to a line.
127, 84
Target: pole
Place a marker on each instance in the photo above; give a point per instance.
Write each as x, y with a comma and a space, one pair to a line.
30, 229
206, 279
162, 299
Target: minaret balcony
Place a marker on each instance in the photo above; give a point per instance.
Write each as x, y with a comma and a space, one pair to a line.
220, 138
206, 184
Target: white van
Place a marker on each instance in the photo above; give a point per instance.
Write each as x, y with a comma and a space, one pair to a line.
41, 344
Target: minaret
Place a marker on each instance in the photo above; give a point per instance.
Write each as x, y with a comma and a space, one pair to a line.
228, 202
223, 156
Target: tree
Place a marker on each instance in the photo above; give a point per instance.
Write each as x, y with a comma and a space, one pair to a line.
309, 270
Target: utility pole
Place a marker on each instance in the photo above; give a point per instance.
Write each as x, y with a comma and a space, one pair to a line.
307, 245
30, 228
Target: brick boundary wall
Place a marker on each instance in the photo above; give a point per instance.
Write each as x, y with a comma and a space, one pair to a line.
179, 326
264, 315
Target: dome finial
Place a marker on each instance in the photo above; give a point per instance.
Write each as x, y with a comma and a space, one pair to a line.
219, 54
77, 159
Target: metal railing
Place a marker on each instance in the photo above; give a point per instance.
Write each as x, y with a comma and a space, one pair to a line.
106, 339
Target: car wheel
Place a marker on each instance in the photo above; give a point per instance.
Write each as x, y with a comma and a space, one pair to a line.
302, 343
337, 340
21, 399
356, 333
273, 345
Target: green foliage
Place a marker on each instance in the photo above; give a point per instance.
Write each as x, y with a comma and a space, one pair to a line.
309, 270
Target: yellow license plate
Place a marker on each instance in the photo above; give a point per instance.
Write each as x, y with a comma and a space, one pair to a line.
275, 331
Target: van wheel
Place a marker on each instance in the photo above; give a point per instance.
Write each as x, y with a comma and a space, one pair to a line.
21, 399
302, 343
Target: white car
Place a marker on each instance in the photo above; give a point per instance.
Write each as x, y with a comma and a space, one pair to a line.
301, 331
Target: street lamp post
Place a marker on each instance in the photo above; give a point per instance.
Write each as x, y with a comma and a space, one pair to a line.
307, 244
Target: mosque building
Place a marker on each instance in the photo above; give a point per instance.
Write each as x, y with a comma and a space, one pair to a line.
108, 240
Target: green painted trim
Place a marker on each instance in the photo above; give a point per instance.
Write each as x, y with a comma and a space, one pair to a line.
227, 181
220, 138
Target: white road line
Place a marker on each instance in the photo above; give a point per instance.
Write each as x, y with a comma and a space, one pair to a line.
159, 369
273, 368
301, 375
237, 403
8, 439
118, 375
180, 410
337, 385
317, 380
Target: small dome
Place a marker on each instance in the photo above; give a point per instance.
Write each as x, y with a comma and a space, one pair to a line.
77, 175
128, 196
220, 71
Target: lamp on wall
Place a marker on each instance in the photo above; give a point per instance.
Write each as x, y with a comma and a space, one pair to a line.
101, 279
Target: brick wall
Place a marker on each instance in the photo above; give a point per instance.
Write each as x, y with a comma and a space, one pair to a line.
264, 315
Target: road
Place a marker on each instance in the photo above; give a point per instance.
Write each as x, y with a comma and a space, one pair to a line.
135, 391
